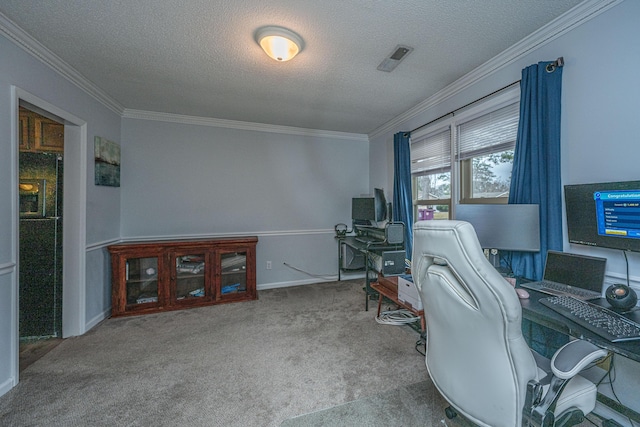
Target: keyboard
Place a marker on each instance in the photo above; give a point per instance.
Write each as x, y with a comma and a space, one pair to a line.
601, 321
368, 240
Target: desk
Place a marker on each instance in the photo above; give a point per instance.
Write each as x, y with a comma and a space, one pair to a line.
534, 311
542, 315
388, 287
365, 249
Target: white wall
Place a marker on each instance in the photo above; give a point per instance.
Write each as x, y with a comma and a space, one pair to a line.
101, 207
287, 186
600, 113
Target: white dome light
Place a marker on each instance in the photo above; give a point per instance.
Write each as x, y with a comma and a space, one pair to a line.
279, 43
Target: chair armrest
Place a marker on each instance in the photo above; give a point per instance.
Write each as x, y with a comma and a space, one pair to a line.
573, 357
566, 363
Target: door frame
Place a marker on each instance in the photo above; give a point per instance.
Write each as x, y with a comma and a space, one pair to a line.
73, 217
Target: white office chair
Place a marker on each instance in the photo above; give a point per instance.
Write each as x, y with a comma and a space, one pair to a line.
475, 352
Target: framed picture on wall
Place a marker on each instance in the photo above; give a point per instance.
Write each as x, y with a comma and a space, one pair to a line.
107, 160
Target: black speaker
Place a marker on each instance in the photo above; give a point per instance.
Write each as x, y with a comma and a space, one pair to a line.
621, 297
395, 233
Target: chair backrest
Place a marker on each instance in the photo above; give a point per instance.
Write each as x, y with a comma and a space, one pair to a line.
476, 354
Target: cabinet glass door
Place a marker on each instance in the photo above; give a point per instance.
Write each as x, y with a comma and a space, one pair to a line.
141, 278
233, 268
190, 272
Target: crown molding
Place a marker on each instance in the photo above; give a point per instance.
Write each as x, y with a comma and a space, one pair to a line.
580, 14
23, 40
573, 18
239, 125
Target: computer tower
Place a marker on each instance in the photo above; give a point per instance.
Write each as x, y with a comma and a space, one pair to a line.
393, 263
352, 259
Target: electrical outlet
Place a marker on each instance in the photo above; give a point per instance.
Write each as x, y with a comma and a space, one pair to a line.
268, 265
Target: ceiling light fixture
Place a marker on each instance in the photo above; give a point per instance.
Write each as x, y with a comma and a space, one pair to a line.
279, 43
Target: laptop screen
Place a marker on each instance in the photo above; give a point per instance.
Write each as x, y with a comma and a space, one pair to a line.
580, 271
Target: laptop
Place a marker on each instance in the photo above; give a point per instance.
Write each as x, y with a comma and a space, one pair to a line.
575, 275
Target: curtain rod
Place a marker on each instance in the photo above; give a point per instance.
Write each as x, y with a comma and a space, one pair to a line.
550, 68
466, 105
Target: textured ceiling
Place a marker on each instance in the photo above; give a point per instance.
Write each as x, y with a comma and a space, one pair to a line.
199, 58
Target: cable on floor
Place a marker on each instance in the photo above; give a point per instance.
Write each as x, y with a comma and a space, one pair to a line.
319, 276
396, 317
421, 344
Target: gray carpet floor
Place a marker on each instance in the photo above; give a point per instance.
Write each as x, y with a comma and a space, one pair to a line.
410, 405
295, 351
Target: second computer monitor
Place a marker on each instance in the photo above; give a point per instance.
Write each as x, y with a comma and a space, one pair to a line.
370, 210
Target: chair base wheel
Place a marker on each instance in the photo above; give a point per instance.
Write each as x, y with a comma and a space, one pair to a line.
450, 412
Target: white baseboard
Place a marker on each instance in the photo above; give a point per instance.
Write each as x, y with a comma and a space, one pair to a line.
276, 285
7, 385
97, 319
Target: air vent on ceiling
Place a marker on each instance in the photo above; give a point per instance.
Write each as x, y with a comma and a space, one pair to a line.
392, 61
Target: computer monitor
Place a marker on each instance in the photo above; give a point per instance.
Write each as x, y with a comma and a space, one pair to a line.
370, 210
504, 227
363, 210
380, 204
605, 214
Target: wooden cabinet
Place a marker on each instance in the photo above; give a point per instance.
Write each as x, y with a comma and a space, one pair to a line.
24, 134
39, 133
149, 277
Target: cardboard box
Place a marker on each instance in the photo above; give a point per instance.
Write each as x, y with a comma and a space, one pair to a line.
408, 293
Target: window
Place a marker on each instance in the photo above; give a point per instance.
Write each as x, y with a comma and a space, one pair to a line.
431, 172
484, 150
467, 156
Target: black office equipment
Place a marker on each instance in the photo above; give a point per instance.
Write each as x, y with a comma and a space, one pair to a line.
381, 204
370, 210
363, 210
597, 319
604, 214
621, 297
351, 258
571, 274
393, 263
394, 233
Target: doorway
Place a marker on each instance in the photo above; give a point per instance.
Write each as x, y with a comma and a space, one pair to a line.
73, 305
40, 196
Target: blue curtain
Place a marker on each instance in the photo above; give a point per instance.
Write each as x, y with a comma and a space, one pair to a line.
402, 196
536, 166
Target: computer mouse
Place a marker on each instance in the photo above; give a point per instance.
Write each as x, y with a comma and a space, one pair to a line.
522, 293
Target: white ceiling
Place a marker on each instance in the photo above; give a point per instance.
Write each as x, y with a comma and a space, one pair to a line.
199, 58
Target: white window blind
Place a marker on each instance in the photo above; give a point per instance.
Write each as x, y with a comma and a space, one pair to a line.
431, 154
489, 133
